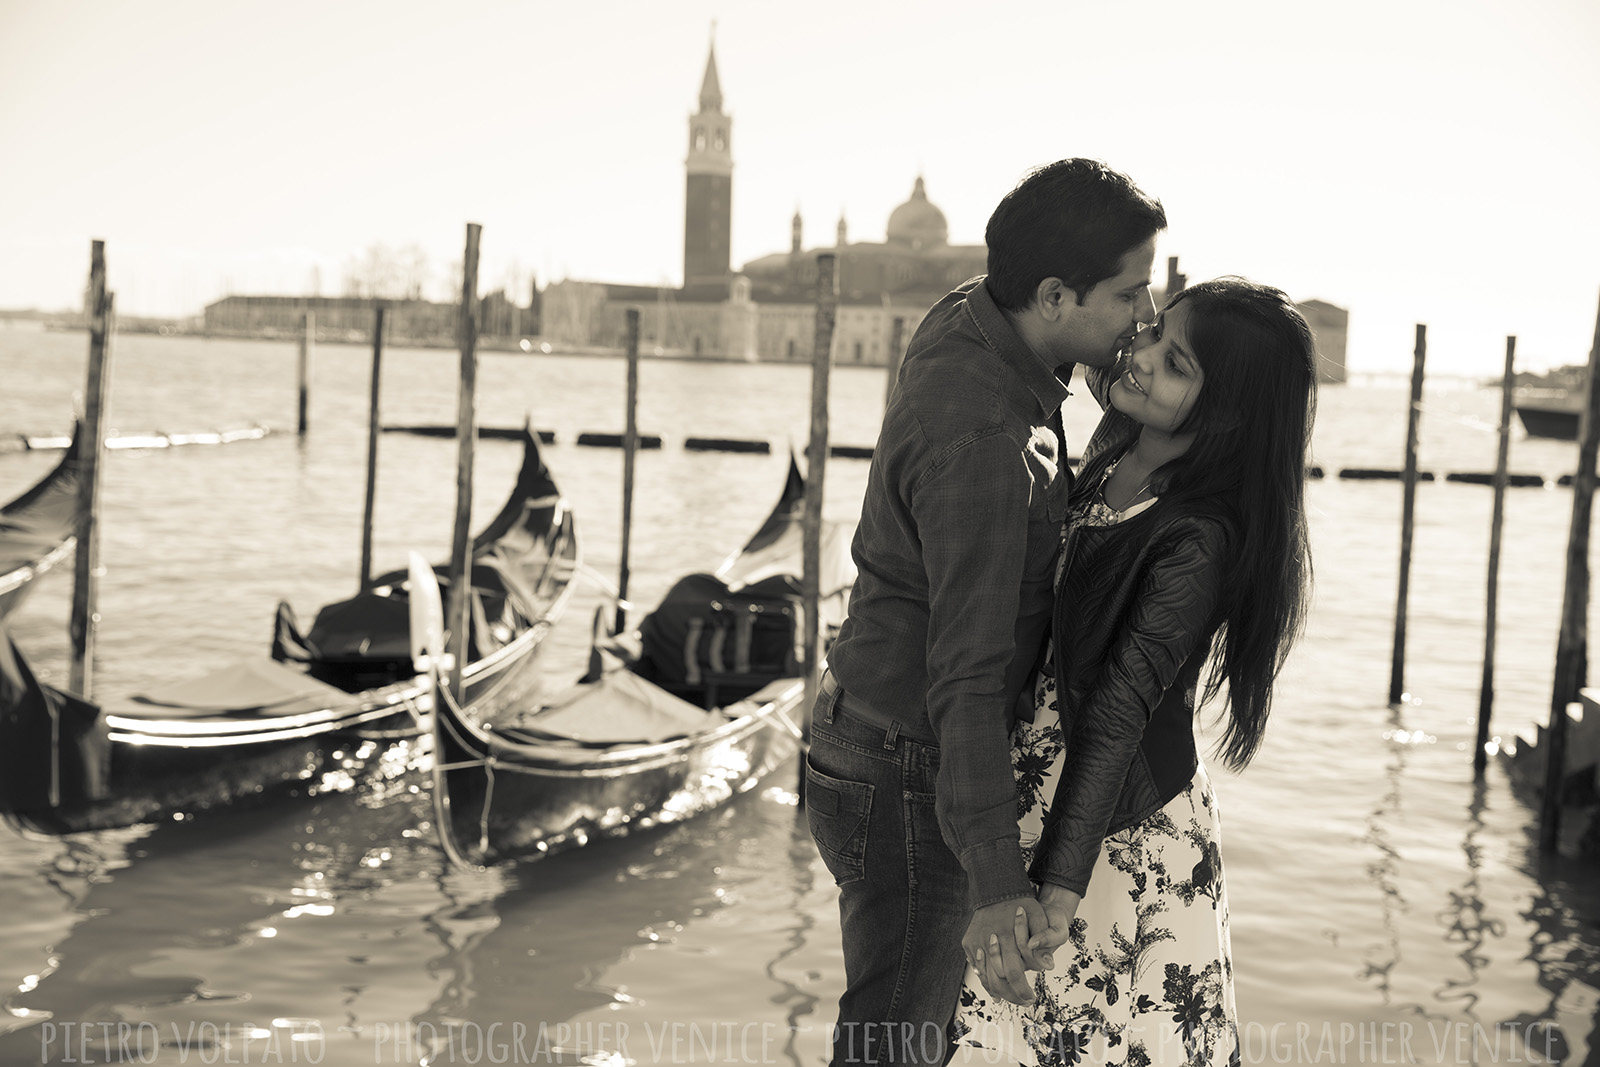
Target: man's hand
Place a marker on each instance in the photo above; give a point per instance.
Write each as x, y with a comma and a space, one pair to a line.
1060, 907
996, 944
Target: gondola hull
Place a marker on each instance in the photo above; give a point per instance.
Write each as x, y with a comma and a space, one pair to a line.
67, 765
149, 775
532, 799
36, 528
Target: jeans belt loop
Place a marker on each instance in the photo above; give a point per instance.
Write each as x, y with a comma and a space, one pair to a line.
893, 734
828, 686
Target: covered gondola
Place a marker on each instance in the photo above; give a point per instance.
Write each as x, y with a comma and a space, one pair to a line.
329, 704
698, 705
37, 528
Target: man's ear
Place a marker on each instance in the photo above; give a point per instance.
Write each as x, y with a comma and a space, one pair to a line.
1052, 298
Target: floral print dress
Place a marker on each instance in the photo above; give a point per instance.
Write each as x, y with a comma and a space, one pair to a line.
1146, 976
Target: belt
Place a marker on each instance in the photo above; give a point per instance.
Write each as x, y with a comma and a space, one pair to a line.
857, 708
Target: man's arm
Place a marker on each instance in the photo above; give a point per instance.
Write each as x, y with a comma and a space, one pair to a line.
971, 513
972, 518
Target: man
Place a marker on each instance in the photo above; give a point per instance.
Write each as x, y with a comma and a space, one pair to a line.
910, 794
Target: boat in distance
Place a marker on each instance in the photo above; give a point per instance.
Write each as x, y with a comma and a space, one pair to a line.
698, 705
1557, 419
1550, 405
38, 528
331, 704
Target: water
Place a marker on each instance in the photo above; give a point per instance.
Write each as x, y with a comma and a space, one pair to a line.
1384, 908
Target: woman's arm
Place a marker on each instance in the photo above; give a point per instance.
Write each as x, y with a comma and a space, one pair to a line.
1171, 614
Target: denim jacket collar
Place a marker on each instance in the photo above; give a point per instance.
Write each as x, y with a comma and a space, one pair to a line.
1048, 389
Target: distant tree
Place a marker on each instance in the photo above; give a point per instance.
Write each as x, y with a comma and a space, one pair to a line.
387, 274
448, 290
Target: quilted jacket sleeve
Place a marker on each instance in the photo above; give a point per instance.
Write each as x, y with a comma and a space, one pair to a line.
1171, 614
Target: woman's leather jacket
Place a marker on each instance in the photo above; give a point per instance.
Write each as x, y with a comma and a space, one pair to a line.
1137, 605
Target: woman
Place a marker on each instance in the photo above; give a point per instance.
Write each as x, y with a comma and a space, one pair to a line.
1186, 541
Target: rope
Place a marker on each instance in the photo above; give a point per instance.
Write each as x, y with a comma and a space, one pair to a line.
606, 586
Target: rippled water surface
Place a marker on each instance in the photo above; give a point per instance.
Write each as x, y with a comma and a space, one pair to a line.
1385, 908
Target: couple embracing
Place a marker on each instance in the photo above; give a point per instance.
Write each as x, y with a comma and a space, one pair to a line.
1003, 777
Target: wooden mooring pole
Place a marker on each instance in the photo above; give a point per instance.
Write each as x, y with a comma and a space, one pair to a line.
372, 450
85, 618
816, 460
1408, 517
630, 448
459, 615
896, 357
1572, 646
1480, 757
308, 330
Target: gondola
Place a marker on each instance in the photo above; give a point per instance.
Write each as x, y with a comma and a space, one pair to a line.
696, 706
328, 705
37, 528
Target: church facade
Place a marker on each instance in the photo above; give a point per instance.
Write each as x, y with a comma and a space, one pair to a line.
767, 310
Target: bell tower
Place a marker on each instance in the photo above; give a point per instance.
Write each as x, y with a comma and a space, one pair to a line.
708, 188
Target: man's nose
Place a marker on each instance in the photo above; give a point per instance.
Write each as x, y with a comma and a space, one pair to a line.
1146, 311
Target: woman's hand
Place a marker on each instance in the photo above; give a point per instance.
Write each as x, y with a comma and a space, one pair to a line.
1060, 908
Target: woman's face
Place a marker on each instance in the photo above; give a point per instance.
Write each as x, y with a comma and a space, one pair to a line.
1160, 379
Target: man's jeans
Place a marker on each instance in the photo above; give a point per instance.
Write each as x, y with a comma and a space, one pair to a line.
902, 892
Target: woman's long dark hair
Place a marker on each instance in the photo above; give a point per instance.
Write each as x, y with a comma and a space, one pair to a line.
1253, 423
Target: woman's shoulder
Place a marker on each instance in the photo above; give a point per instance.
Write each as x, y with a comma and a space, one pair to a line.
1199, 526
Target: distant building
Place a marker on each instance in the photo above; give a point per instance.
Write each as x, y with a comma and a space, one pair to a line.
1329, 324
350, 318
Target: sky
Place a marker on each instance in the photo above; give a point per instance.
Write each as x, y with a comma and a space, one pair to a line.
1415, 161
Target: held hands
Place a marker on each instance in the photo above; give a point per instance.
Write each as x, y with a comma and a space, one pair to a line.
1060, 908
995, 943
1006, 940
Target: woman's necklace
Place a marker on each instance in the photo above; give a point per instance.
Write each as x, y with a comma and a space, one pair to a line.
1132, 499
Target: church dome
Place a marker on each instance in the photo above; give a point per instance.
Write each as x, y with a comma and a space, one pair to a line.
917, 222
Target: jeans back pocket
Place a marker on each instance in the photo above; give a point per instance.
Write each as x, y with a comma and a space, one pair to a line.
837, 812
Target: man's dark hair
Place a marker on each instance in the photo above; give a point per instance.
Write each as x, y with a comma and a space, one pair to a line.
1074, 219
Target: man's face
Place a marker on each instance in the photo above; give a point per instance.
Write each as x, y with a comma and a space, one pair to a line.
1092, 333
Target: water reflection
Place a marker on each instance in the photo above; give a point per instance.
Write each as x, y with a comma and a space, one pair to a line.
1463, 917
802, 1005
1384, 871
1473, 1009
594, 955
1566, 950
